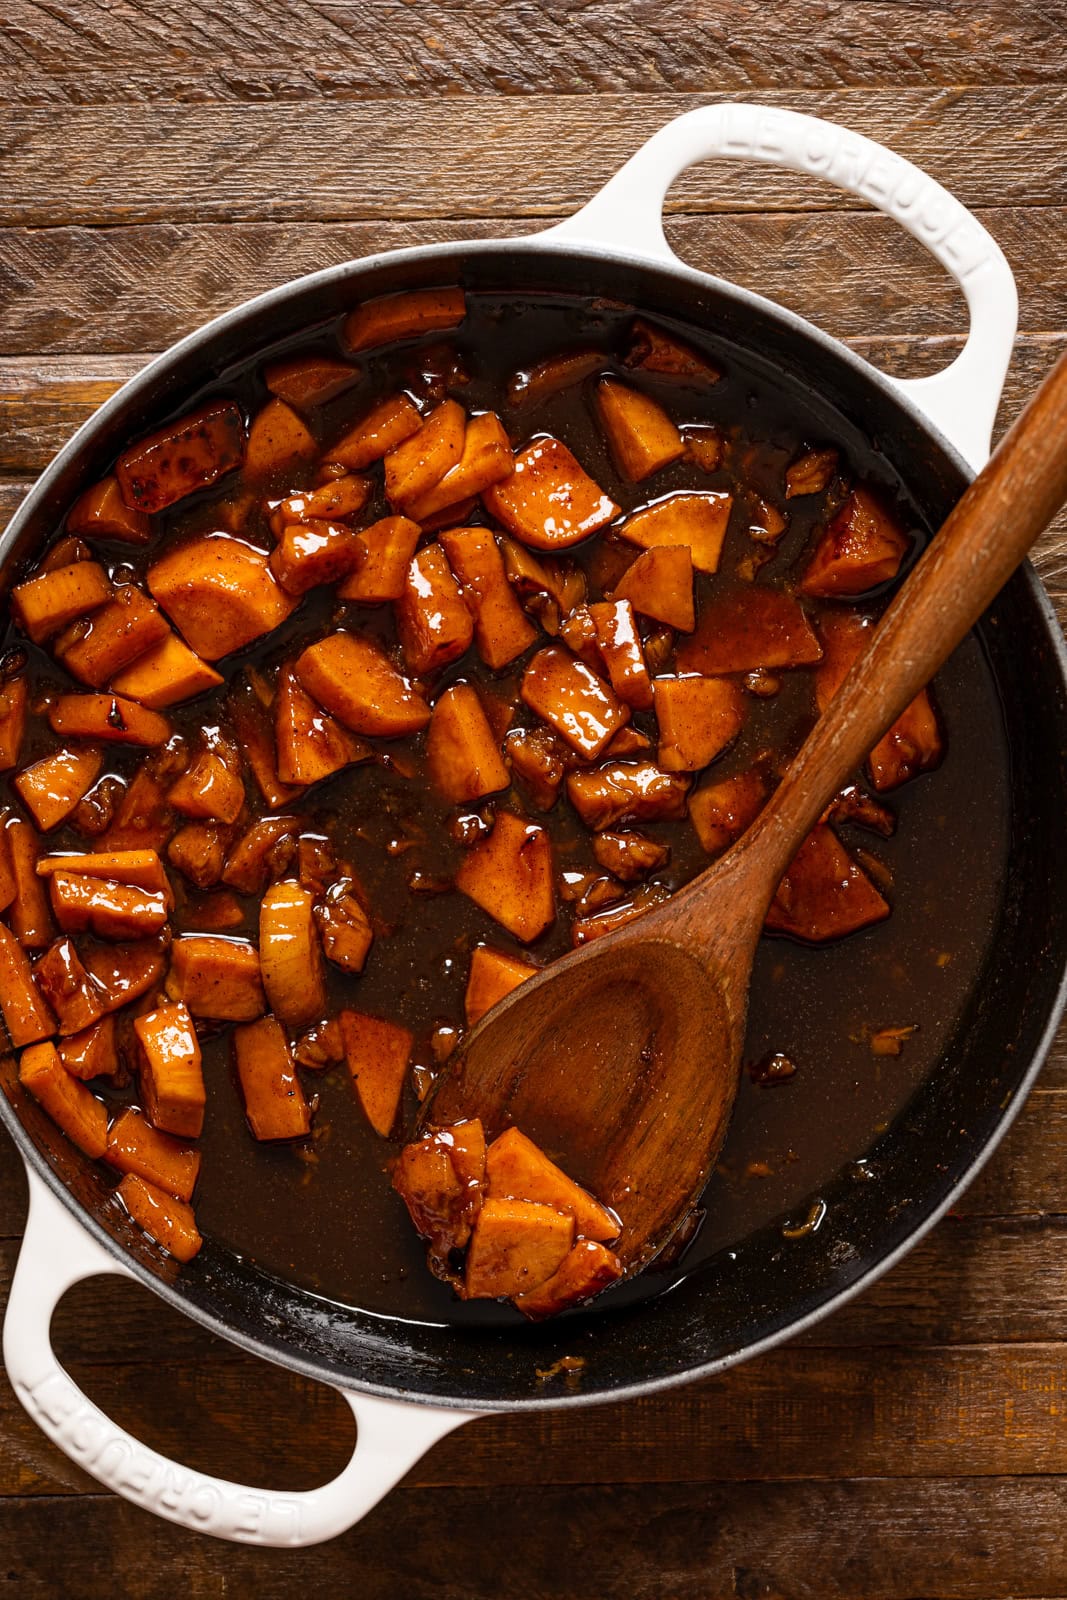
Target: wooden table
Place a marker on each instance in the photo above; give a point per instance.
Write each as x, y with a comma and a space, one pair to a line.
159, 162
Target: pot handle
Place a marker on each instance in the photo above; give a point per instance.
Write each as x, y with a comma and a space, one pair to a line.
627, 214
56, 1254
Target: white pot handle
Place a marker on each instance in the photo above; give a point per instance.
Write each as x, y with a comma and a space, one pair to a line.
628, 213
58, 1253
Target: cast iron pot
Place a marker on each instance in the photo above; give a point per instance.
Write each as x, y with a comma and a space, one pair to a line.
409, 1384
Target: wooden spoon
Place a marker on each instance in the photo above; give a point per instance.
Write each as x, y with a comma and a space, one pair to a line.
622, 1060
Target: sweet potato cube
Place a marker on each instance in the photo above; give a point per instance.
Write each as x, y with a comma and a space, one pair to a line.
107, 717
100, 512
182, 456
510, 875
67, 988
705, 446
641, 436
199, 852
529, 387
220, 594
291, 956
720, 812
697, 519
387, 424
133, 1145
432, 618
28, 914
755, 627
64, 553
141, 868
629, 856
439, 1179
165, 674
549, 501
515, 1246
247, 864
420, 462
278, 441
598, 923
42, 606
462, 755
825, 894
310, 744
810, 473
274, 1099
378, 1054
313, 552
861, 548
502, 629
627, 790
587, 1268
333, 501
27, 1016
253, 726
486, 457
209, 791
619, 643
124, 972
516, 1169
169, 1222
914, 743
403, 316
354, 680
659, 584
493, 975
14, 694
172, 1079
8, 881
51, 789
389, 545
308, 381
698, 718
73, 1107
98, 647
93, 1053
538, 758
570, 697
108, 910
653, 350
345, 930
216, 977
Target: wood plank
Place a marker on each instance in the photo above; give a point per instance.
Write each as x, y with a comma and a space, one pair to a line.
480, 155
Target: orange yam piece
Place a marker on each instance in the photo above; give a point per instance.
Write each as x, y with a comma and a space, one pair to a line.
133, 1145
219, 593
516, 1169
439, 1179
26, 1014
914, 743
198, 851
697, 519
28, 915
336, 500
67, 989
246, 865
641, 435
208, 791
313, 552
378, 1053
100, 512
109, 910
538, 758
698, 718
143, 820
587, 1268
308, 381
510, 875
387, 424
659, 584
619, 643
172, 1079
93, 1053
573, 700
8, 881
310, 745
291, 956
253, 727
502, 629
51, 789
274, 1099
124, 972
629, 856
94, 649
42, 606
141, 868
750, 628
825, 894
165, 674
515, 1246
169, 1222
861, 548
422, 460
549, 501
462, 755
653, 350
14, 694
548, 377
594, 926
403, 316
73, 1107
182, 456
389, 545
109, 717
357, 683
627, 790
216, 977
493, 975
278, 441
432, 619
810, 473
485, 458
345, 930
720, 812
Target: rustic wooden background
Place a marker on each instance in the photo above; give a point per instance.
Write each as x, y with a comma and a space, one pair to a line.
159, 162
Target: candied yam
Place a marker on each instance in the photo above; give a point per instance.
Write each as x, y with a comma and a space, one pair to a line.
310, 745
389, 545
169, 1222
353, 679
28, 914
486, 457
171, 1076
42, 606
199, 852
439, 1180
124, 973
403, 316
252, 724
8, 881
378, 1053
345, 930
502, 630
64, 553
704, 446
432, 618
629, 856
109, 717
143, 819
538, 758
659, 584
493, 975
216, 977
510, 875
387, 424
641, 436
558, 578
585, 1270
308, 381
208, 790
463, 759
653, 350
573, 700
100, 512
696, 518
578, 632
720, 812
52, 788
182, 456
810, 473
515, 1246
750, 628
219, 593
108, 910
529, 387
549, 501
278, 441
133, 1145
66, 988
71, 1106
246, 867
92, 1053
14, 694
599, 922
338, 499
291, 956
619, 643
825, 894
914, 743
421, 461
165, 674
275, 1104
313, 552
637, 791
27, 1016
698, 718
142, 868
517, 1169
861, 548
95, 648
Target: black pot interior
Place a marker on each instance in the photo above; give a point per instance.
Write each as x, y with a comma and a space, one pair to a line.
739, 1287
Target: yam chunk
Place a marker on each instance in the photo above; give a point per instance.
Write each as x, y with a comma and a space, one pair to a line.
549, 501
357, 683
653, 350
485, 457
165, 674
98, 647
531, 386
510, 875
825, 894
14, 694
313, 552
516, 1169
462, 756
578, 632
403, 316
28, 914
620, 648
630, 856
275, 1104
308, 381
637, 791
182, 456
705, 447
755, 627
439, 1179
67, 989
219, 593
52, 788
389, 545
133, 1145
27, 1016
432, 619
172, 1078
378, 1054
345, 930
247, 864
573, 700
109, 717
73, 1107
698, 718
8, 881
199, 852
216, 977
143, 819
291, 956
42, 606
914, 743
124, 973
538, 758
278, 441
810, 473
100, 512
310, 745
502, 630
641, 436
208, 791
861, 548
387, 424
659, 584
169, 1222
696, 518
558, 577
64, 553
515, 1246
587, 1268
721, 812
336, 500
253, 727
493, 975
595, 925
141, 868
421, 461
92, 1053
109, 910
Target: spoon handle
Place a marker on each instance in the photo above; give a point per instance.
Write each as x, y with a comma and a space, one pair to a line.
980, 544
